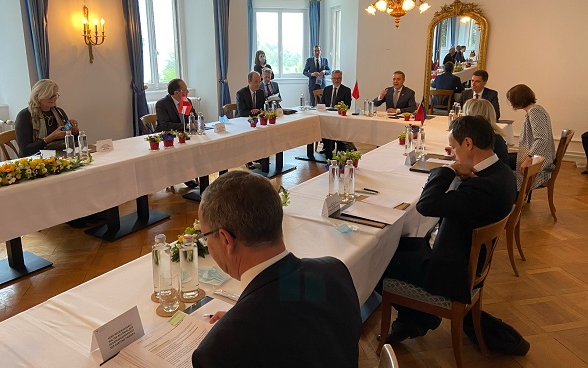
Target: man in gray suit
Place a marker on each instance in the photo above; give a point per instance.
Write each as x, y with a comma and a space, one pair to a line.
269, 87
479, 90
398, 98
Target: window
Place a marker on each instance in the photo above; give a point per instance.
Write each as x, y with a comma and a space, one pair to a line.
160, 42
336, 37
282, 35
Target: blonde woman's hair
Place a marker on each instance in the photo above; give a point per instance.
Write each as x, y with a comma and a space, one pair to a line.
484, 109
45, 88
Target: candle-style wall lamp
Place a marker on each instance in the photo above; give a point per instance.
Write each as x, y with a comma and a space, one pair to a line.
89, 39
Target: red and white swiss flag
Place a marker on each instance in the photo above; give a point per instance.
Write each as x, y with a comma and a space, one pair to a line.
184, 107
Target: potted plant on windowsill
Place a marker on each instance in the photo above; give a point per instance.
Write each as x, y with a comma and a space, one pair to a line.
153, 141
182, 135
168, 139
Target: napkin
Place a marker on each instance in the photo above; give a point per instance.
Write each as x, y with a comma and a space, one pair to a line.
212, 275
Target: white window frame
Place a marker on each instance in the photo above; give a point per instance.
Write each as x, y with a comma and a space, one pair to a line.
278, 72
336, 37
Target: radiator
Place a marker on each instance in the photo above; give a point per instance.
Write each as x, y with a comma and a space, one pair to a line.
151, 106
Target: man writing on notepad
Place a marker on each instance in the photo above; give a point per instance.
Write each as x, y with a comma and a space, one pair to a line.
293, 312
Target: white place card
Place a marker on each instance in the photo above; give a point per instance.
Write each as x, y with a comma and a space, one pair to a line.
220, 127
104, 145
411, 158
321, 107
48, 153
117, 334
331, 205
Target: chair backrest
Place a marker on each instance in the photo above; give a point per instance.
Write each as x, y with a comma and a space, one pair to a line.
562, 147
6, 139
318, 93
149, 123
529, 175
230, 110
440, 99
483, 237
388, 358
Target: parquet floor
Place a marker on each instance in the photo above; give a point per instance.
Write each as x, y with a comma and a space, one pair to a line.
548, 304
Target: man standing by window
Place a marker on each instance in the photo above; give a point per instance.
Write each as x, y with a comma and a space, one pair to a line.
315, 69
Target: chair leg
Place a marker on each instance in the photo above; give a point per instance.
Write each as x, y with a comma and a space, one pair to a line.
517, 234
385, 320
550, 189
509, 248
457, 332
529, 196
476, 317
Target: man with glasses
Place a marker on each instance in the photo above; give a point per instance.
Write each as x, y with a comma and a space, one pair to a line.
315, 69
332, 95
168, 117
292, 312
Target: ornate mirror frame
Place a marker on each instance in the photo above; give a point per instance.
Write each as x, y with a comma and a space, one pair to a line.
457, 8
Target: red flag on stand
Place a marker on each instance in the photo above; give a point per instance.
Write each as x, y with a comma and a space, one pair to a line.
421, 113
355, 93
184, 107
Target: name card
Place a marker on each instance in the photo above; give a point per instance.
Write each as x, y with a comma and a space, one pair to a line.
104, 145
117, 334
411, 158
321, 107
48, 153
220, 127
331, 205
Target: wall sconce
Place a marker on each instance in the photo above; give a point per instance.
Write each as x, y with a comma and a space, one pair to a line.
89, 39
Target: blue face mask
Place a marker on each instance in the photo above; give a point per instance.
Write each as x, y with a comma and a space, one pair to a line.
212, 275
262, 59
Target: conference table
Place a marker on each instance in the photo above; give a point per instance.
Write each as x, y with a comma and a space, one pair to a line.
58, 332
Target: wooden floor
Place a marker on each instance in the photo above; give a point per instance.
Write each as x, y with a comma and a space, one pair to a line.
548, 304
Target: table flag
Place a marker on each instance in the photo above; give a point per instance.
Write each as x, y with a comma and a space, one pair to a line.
421, 113
355, 93
184, 107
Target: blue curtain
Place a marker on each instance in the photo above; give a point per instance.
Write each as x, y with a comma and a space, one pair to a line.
437, 43
36, 11
251, 32
135, 49
315, 23
221, 23
453, 31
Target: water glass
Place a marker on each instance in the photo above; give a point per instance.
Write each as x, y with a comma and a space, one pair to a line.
169, 292
189, 271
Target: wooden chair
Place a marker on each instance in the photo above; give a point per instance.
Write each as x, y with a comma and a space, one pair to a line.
230, 110
513, 225
412, 296
440, 100
6, 139
562, 147
388, 358
318, 93
149, 123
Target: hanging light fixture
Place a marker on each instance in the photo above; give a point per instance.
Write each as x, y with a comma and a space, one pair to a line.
396, 8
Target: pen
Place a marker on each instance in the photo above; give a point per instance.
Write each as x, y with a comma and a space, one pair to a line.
209, 315
370, 190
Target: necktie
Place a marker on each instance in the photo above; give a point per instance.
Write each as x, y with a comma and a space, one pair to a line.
317, 65
253, 100
269, 92
334, 97
477, 96
395, 97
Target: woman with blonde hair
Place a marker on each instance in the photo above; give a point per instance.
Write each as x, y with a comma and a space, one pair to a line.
260, 63
41, 125
485, 109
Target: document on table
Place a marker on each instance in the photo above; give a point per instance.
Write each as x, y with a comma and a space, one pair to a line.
374, 212
172, 344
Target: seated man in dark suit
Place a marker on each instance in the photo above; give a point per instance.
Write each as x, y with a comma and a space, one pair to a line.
250, 99
448, 81
450, 56
478, 81
398, 98
485, 194
292, 312
168, 117
269, 87
331, 96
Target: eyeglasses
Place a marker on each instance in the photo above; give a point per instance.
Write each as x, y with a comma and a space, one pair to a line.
203, 238
53, 97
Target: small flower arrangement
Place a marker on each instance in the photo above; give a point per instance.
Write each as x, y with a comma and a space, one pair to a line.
284, 196
180, 133
402, 135
167, 136
194, 230
29, 168
270, 115
341, 106
153, 138
253, 119
343, 156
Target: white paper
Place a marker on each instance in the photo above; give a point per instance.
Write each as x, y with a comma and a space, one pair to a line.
117, 334
104, 145
373, 212
383, 201
440, 161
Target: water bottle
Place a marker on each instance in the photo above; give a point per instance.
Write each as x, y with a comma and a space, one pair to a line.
334, 178
201, 125
421, 142
408, 141
266, 106
349, 182
274, 106
83, 144
70, 145
302, 105
366, 107
157, 255
189, 268
192, 124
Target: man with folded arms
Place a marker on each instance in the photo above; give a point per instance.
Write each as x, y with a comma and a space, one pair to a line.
485, 193
479, 90
332, 95
398, 98
292, 312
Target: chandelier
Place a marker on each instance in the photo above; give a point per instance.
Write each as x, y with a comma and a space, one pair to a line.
396, 8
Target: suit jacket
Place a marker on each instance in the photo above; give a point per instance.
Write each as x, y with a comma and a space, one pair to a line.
168, 117
259, 69
296, 313
274, 88
406, 101
310, 68
245, 103
343, 94
448, 81
476, 202
487, 94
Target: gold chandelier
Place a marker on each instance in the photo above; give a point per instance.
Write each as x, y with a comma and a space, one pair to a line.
396, 8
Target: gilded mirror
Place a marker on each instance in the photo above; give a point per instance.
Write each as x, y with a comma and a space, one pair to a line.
448, 28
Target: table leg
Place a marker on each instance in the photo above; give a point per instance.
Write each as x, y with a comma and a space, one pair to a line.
279, 167
195, 195
311, 155
19, 263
